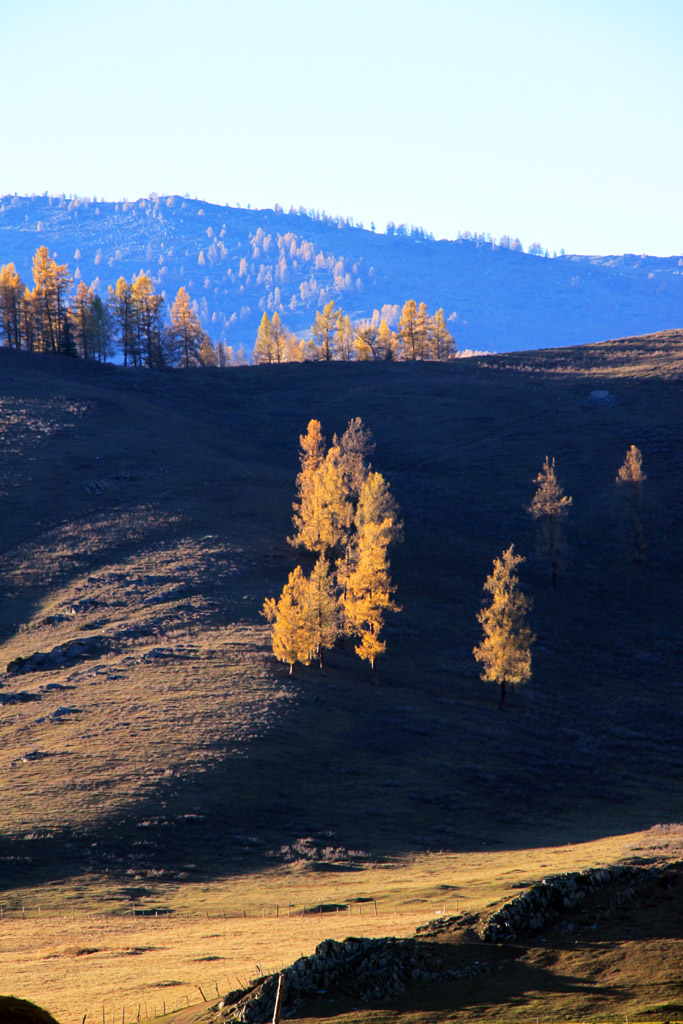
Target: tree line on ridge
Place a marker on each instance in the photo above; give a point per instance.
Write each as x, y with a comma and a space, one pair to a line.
130, 324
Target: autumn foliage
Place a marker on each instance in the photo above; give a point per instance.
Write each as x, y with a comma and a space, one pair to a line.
344, 515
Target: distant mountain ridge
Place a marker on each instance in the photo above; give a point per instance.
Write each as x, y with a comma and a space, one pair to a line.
236, 263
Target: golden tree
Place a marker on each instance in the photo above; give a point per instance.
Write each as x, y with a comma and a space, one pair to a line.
11, 290
549, 507
441, 341
505, 651
368, 592
322, 511
186, 331
631, 475
326, 329
291, 634
321, 609
305, 506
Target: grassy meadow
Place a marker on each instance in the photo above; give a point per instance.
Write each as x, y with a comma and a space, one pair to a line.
179, 771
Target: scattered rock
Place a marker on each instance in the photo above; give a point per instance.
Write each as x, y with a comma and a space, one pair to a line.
61, 656
19, 698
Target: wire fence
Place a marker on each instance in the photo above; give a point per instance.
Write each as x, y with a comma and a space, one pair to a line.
358, 907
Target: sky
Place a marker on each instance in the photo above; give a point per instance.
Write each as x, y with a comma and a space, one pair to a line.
555, 121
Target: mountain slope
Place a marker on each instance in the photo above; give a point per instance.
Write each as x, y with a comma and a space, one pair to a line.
237, 263
145, 517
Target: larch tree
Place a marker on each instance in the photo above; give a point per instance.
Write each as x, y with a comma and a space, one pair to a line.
81, 317
322, 610
186, 331
11, 291
409, 331
505, 650
147, 312
388, 347
368, 593
311, 457
549, 507
51, 287
292, 637
631, 479
441, 341
120, 302
263, 346
325, 332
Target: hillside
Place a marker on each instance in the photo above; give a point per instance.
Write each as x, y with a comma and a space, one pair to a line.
146, 516
160, 759
236, 263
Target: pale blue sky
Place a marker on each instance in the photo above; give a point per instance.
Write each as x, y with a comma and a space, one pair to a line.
558, 121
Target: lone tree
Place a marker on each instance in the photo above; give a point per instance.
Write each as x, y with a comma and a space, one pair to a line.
505, 651
632, 477
549, 507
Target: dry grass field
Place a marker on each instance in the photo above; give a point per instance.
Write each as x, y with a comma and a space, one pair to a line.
169, 764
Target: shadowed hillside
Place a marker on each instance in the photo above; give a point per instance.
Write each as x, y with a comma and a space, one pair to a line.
145, 517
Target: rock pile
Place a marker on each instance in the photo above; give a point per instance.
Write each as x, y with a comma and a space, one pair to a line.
365, 969
550, 899
70, 653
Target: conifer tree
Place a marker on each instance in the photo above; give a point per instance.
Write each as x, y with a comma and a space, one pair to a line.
356, 446
11, 291
147, 313
325, 332
82, 321
441, 341
505, 650
409, 331
186, 332
263, 346
121, 308
291, 634
368, 593
51, 286
632, 478
311, 457
322, 611
388, 346
549, 507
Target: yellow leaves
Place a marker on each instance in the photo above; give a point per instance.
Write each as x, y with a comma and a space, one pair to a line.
505, 650
631, 472
549, 498
291, 635
341, 508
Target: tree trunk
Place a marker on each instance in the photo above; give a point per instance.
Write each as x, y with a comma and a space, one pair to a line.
502, 694
375, 677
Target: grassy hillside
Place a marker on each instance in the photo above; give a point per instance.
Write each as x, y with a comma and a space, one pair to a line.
236, 263
146, 514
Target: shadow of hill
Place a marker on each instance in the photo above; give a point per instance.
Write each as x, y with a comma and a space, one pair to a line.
594, 746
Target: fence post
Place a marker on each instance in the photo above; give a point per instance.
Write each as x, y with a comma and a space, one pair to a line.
375, 908
278, 999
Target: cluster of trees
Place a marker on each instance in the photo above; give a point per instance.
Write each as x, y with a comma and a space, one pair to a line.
505, 649
345, 518
131, 322
52, 318
418, 336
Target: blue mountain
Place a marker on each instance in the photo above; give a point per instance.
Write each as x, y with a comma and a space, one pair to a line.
236, 263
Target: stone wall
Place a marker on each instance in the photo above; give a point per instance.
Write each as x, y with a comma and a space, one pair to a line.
552, 898
364, 969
